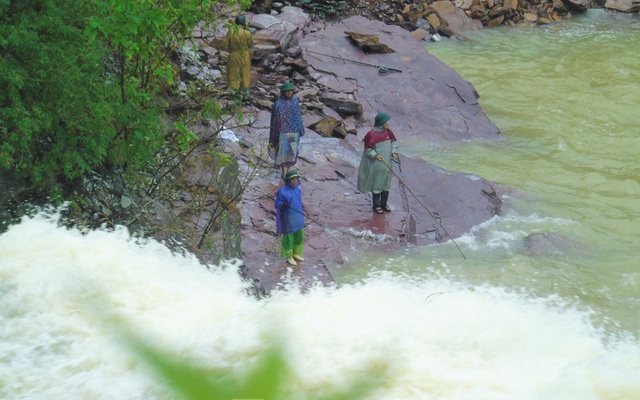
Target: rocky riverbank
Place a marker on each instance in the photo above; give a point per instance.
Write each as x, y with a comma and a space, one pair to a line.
366, 58
450, 18
345, 73
347, 68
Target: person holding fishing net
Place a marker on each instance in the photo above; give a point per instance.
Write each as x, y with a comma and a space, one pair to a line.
374, 174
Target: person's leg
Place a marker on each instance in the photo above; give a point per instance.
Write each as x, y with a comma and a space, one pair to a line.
384, 197
298, 244
246, 77
237, 97
377, 205
286, 250
244, 92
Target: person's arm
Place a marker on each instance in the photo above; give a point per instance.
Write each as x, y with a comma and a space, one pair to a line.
224, 43
280, 203
275, 126
394, 145
372, 153
370, 147
297, 124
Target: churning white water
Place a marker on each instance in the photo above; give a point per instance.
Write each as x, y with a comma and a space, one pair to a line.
504, 323
63, 293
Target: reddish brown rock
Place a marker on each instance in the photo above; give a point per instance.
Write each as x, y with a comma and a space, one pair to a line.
427, 99
341, 88
340, 222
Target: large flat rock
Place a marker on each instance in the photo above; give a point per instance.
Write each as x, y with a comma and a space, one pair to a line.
428, 101
340, 222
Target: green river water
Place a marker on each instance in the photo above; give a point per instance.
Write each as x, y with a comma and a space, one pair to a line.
567, 100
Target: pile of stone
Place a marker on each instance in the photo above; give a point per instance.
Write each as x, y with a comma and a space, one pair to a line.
278, 57
278, 29
452, 18
448, 18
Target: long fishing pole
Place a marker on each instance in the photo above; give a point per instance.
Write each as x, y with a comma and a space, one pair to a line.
381, 69
304, 214
425, 207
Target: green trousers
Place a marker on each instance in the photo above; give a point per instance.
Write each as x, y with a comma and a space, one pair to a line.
292, 243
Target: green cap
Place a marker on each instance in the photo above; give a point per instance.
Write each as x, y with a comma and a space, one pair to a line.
241, 20
292, 174
287, 86
381, 118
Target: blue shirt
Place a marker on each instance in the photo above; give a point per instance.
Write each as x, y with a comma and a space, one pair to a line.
288, 204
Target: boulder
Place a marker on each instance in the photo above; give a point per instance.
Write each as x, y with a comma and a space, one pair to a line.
263, 21
427, 99
629, 6
369, 43
344, 104
579, 5
456, 19
329, 127
549, 244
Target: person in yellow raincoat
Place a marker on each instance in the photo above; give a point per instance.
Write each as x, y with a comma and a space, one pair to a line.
238, 43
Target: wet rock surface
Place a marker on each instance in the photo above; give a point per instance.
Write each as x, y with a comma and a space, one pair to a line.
429, 205
345, 73
549, 244
427, 100
350, 60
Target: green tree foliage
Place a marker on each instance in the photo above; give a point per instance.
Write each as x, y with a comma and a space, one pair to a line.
268, 378
53, 114
140, 37
83, 82
90, 114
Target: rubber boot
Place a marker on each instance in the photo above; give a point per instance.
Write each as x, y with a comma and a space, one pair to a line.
384, 197
377, 203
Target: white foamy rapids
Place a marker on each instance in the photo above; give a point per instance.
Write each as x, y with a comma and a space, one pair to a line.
61, 291
507, 231
368, 234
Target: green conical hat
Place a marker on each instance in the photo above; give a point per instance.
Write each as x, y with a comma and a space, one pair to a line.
287, 86
292, 174
381, 118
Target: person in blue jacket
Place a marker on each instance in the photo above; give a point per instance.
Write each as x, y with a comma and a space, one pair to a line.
289, 218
